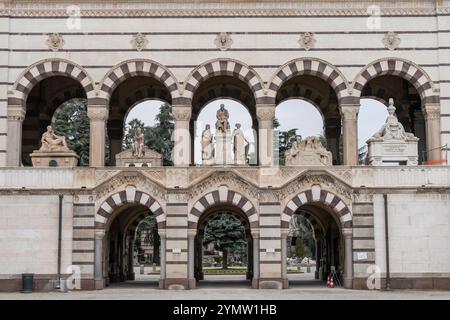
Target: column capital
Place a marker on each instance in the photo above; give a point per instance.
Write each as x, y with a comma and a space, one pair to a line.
265, 112
349, 111
431, 111
192, 233
347, 232
182, 113
255, 233
99, 233
162, 233
97, 113
16, 113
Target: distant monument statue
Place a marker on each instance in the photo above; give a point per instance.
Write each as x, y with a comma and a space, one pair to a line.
52, 142
54, 151
222, 115
240, 146
207, 146
392, 144
138, 148
308, 152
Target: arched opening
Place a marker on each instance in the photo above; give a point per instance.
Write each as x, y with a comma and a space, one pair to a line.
407, 102
223, 247
141, 92
371, 117
239, 114
236, 92
131, 250
41, 103
318, 93
315, 247
308, 121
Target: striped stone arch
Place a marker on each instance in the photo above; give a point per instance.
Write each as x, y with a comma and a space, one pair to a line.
398, 67
225, 67
308, 66
317, 195
222, 196
137, 67
43, 69
129, 195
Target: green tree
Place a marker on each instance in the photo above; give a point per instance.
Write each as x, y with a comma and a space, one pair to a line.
285, 139
227, 234
73, 122
159, 137
149, 227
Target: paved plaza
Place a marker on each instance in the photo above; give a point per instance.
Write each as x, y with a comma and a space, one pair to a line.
230, 288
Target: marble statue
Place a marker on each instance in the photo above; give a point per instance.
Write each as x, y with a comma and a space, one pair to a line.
52, 142
308, 152
138, 145
222, 115
392, 145
240, 145
207, 144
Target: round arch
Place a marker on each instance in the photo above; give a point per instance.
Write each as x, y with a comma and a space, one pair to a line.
137, 67
128, 196
224, 67
318, 195
308, 66
46, 68
223, 195
403, 68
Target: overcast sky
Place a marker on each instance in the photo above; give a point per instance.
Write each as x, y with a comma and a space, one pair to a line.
291, 114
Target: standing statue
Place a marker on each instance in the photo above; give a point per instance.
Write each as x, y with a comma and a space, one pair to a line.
240, 145
138, 145
222, 115
207, 145
52, 142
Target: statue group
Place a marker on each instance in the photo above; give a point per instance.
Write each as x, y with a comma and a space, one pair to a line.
220, 152
309, 151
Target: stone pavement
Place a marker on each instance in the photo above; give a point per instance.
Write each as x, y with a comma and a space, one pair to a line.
230, 288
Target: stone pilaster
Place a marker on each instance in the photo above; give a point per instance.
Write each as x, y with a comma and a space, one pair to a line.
99, 236
284, 278
98, 115
350, 133
191, 258
256, 255
265, 114
162, 259
182, 137
348, 258
432, 115
16, 115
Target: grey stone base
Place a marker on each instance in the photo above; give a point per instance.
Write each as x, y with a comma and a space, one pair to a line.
270, 283
174, 284
407, 283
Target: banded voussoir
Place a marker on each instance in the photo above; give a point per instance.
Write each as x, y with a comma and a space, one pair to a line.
225, 67
317, 195
43, 69
308, 66
402, 68
222, 196
128, 196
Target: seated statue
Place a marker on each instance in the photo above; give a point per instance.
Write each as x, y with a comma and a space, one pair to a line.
308, 152
138, 149
222, 115
52, 142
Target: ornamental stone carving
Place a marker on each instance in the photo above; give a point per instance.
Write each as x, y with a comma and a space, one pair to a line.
55, 42
139, 41
265, 113
16, 113
181, 114
307, 40
223, 41
308, 152
97, 113
432, 112
391, 40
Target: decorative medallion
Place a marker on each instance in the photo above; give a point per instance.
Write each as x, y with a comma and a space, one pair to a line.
307, 40
391, 40
55, 42
223, 41
139, 41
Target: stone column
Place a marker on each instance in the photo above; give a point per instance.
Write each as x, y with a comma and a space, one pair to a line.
432, 117
317, 258
98, 115
191, 258
349, 115
200, 275
284, 278
265, 114
255, 280
348, 258
162, 258
130, 274
16, 115
99, 235
181, 135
